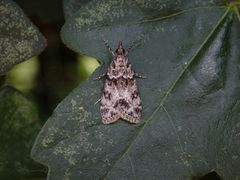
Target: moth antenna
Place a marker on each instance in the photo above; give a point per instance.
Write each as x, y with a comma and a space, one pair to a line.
132, 45
130, 48
108, 47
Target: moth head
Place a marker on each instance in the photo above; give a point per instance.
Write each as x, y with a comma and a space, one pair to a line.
120, 50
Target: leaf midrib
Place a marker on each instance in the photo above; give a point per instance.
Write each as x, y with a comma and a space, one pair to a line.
170, 89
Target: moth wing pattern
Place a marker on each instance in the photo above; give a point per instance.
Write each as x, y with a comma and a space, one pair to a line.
120, 98
132, 112
108, 112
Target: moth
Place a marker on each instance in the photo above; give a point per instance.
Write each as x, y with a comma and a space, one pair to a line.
120, 97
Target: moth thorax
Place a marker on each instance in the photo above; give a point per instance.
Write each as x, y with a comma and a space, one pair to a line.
120, 61
120, 50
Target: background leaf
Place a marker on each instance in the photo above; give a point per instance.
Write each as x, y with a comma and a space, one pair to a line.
18, 127
189, 51
19, 38
72, 6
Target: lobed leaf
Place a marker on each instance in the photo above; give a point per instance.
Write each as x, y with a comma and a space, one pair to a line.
19, 38
189, 51
19, 124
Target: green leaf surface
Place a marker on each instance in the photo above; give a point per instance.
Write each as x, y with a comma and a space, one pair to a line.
72, 6
19, 38
189, 52
19, 125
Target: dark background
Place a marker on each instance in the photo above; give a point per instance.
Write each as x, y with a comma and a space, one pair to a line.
45, 80
57, 70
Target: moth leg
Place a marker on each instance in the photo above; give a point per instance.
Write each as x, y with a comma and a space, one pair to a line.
108, 47
139, 76
98, 101
99, 77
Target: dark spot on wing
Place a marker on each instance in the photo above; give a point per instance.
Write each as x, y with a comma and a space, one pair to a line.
107, 95
113, 65
113, 113
131, 113
135, 95
115, 105
137, 110
104, 111
123, 103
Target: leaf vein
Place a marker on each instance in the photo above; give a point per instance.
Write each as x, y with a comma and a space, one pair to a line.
237, 12
132, 167
178, 138
179, 13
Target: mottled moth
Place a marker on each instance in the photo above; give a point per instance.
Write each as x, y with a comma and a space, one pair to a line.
120, 97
